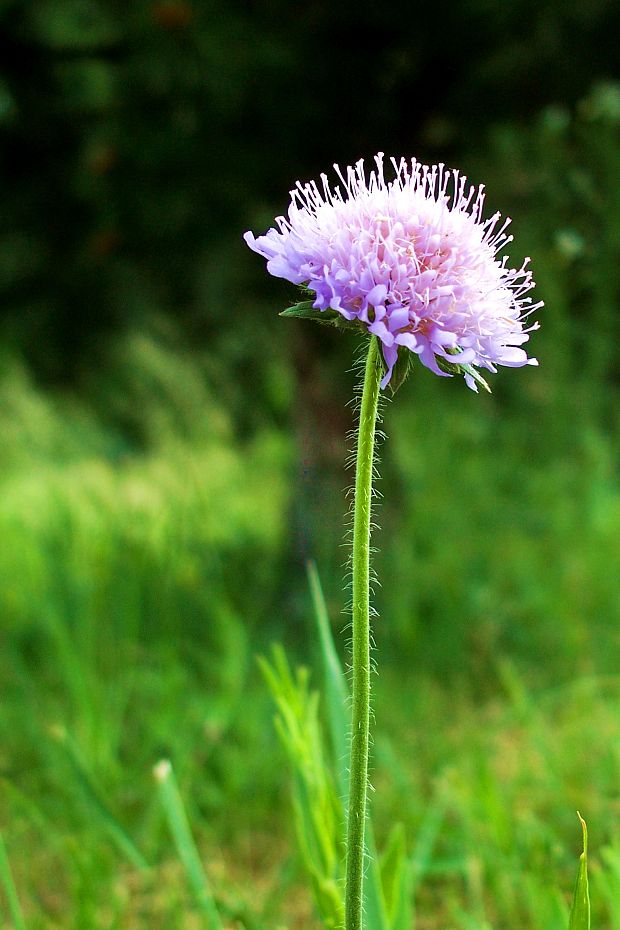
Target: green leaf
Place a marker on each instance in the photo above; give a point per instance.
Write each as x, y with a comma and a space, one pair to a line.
336, 689
318, 811
6, 880
426, 839
374, 901
304, 311
401, 874
393, 867
338, 701
178, 822
580, 911
329, 317
93, 797
475, 374
454, 368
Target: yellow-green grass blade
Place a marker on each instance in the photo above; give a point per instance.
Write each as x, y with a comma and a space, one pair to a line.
396, 875
318, 810
374, 898
580, 911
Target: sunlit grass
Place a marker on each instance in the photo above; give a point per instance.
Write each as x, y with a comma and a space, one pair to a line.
137, 587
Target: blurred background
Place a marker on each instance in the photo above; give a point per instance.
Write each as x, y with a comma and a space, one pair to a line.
172, 452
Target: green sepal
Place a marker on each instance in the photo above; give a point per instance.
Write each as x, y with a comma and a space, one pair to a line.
401, 369
329, 317
453, 368
475, 374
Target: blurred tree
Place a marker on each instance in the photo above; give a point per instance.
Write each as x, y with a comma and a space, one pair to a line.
138, 140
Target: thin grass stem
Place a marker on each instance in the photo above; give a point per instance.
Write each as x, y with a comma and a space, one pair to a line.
6, 879
176, 816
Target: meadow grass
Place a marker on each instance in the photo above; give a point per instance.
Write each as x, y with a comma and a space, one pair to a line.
137, 589
149, 550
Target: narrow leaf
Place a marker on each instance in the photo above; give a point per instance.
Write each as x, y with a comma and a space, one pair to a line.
172, 804
456, 368
407, 873
374, 901
95, 800
336, 689
475, 374
6, 879
318, 810
303, 310
394, 867
338, 699
580, 911
306, 311
426, 840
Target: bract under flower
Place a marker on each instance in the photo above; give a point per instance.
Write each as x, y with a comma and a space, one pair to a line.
413, 260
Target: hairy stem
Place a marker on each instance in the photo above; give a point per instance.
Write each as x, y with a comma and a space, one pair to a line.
360, 717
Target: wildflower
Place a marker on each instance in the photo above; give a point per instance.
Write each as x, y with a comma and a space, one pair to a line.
411, 260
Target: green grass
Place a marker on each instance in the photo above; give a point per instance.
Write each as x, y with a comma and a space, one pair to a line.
126, 636
139, 582
150, 533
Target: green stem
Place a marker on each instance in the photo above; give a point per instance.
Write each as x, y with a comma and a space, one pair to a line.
360, 717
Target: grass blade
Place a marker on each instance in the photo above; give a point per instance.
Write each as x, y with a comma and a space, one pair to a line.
426, 840
401, 874
6, 878
396, 880
337, 693
95, 801
184, 842
318, 810
374, 899
580, 911
336, 688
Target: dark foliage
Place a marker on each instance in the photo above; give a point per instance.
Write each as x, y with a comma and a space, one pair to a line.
138, 140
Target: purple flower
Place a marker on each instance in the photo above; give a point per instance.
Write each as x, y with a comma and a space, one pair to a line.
411, 259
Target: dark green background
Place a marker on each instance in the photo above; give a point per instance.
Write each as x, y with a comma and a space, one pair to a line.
139, 140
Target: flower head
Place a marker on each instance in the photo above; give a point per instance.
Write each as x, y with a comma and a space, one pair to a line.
413, 261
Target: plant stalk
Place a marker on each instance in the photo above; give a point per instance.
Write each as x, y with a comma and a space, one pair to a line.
360, 714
